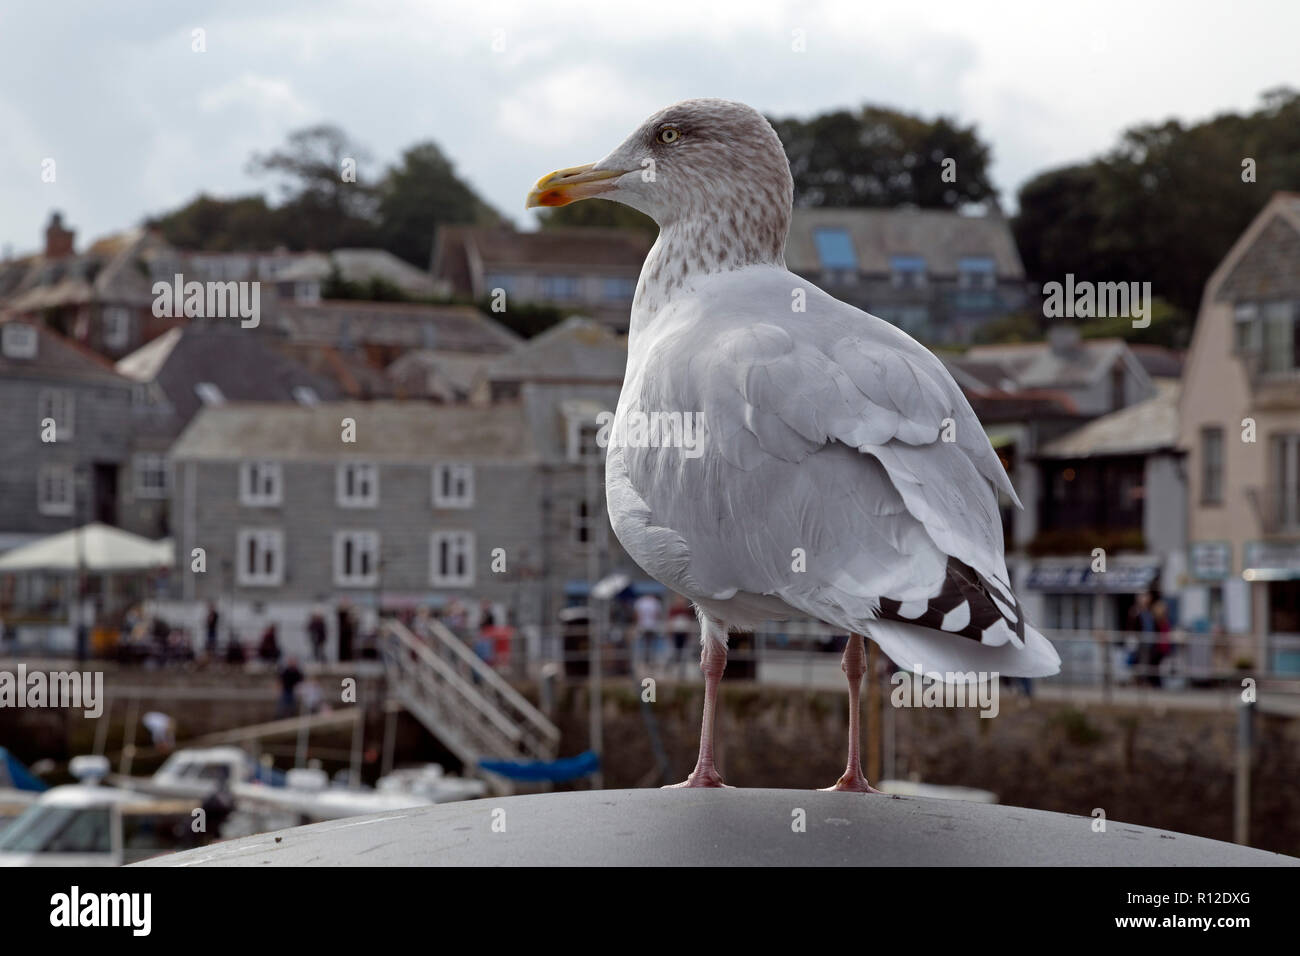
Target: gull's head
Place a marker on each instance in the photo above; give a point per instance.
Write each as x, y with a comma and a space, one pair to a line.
696, 158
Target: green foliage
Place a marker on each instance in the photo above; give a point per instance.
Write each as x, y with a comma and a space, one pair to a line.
319, 209
1078, 729
1017, 327
1165, 205
1170, 326
883, 157
419, 194
598, 213
375, 289
524, 318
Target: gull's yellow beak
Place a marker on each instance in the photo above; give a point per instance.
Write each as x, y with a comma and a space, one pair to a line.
569, 185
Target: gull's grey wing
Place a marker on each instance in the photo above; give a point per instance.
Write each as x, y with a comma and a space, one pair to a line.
826, 440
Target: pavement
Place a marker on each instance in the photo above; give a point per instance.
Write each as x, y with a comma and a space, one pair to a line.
734, 827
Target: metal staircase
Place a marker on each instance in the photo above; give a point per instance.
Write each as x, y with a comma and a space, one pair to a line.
462, 701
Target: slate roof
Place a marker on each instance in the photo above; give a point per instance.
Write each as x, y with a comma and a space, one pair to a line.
577, 349
942, 237
1142, 428
240, 362
347, 323
386, 431
58, 358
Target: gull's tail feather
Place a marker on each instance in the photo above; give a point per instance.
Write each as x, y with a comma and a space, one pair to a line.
913, 647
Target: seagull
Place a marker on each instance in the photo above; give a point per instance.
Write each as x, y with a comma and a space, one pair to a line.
842, 474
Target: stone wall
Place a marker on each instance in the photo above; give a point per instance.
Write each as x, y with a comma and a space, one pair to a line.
1172, 770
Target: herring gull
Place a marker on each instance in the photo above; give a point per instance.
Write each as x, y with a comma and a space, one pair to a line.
843, 475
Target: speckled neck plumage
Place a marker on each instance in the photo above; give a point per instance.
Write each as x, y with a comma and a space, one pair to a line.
733, 235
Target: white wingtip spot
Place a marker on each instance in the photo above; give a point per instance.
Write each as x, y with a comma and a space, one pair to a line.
957, 619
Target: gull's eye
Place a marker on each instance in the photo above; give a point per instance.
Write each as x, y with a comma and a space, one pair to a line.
669, 135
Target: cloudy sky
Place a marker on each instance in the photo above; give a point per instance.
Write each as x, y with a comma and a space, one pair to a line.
138, 123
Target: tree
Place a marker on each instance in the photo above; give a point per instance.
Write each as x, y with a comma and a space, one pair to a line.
1165, 205
419, 194
883, 157
220, 225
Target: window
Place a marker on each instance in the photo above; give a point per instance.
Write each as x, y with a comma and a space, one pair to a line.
581, 526
451, 559
1285, 503
356, 558
618, 288
835, 250
260, 484
150, 476
358, 484
907, 272
18, 340
209, 394
1212, 465
499, 280
453, 485
1068, 611
57, 403
1246, 329
976, 273
1281, 345
54, 490
259, 560
560, 288
582, 440
117, 327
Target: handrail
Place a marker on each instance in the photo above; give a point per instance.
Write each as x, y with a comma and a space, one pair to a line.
485, 714
466, 689
495, 680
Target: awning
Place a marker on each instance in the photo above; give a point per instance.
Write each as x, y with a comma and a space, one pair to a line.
94, 547
1116, 579
1271, 561
14, 776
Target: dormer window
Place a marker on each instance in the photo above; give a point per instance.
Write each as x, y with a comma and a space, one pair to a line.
907, 272
18, 340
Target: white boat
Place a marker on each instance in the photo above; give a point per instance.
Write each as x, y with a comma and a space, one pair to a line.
196, 772
431, 781
92, 825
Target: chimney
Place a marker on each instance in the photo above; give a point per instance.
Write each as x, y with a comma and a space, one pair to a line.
58, 241
1063, 339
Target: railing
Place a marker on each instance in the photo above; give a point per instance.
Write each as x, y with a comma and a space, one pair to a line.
808, 654
467, 705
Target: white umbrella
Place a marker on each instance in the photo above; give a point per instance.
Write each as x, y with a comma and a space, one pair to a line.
94, 548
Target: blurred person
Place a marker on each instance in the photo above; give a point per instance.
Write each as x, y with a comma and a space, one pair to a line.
235, 650
210, 630
316, 634
162, 729
310, 696
1142, 619
649, 611
290, 678
347, 630
268, 649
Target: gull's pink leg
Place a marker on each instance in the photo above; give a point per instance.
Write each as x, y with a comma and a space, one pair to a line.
713, 660
854, 666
